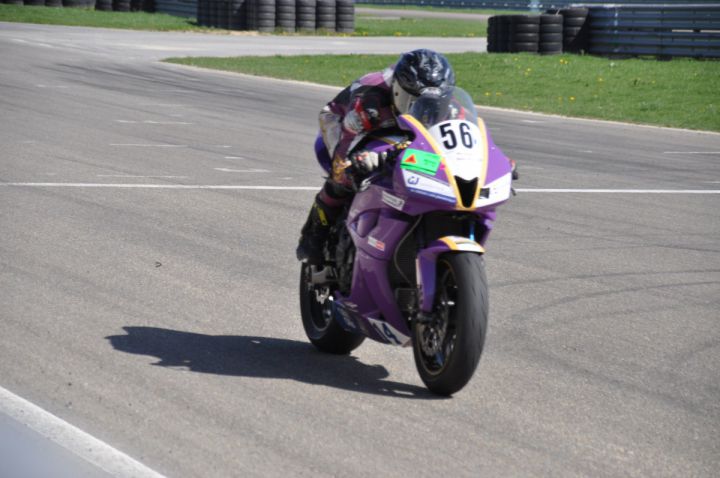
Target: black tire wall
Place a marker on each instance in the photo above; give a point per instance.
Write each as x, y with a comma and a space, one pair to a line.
345, 16
305, 14
325, 14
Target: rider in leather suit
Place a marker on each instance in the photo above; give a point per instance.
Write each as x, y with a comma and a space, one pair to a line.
369, 103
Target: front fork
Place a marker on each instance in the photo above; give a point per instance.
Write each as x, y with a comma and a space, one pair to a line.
426, 266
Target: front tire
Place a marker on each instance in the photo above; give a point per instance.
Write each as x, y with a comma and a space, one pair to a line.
448, 348
320, 326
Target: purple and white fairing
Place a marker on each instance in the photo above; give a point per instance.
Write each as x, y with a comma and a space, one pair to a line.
382, 214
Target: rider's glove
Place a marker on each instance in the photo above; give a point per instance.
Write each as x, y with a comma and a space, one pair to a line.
365, 162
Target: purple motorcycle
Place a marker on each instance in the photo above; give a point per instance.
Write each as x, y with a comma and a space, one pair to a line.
404, 265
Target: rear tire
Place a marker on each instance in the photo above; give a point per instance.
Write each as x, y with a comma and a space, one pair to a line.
320, 326
447, 350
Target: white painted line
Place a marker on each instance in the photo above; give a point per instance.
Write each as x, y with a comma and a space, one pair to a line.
137, 176
234, 157
78, 442
227, 170
315, 188
623, 191
152, 122
691, 152
531, 121
37, 43
166, 122
150, 145
160, 186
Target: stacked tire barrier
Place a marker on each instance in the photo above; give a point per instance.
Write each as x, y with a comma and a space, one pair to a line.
345, 16
547, 34
325, 14
524, 33
498, 34
576, 29
665, 31
527, 4
101, 5
203, 13
305, 15
550, 41
71, 3
121, 5
260, 15
283, 15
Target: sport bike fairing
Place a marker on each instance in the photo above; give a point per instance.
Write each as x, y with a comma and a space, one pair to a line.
453, 159
450, 164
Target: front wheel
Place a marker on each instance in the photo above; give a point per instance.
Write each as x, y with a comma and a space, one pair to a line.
447, 348
317, 317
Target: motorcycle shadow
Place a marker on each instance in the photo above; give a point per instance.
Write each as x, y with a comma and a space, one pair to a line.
262, 357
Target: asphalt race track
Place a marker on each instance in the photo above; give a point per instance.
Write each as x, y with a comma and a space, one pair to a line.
148, 286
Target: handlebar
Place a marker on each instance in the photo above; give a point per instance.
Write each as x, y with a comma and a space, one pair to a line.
385, 158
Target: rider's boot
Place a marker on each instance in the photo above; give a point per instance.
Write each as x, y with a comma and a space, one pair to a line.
314, 233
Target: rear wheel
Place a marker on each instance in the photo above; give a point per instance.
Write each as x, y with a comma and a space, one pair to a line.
447, 348
317, 317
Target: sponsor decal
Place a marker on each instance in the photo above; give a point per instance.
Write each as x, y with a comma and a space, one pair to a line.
464, 156
429, 187
433, 195
393, 201
379, 245
422, 161
497, 191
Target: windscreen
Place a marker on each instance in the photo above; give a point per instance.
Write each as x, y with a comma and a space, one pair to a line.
431, 110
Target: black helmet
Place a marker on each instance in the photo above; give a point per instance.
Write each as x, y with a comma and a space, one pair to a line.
419, 73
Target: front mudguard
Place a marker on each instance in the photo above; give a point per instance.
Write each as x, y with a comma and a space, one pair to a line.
426, 264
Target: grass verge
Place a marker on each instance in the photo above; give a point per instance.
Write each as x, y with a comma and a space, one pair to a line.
365, 26
483, 11
83, 17
418, 27
682, 93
